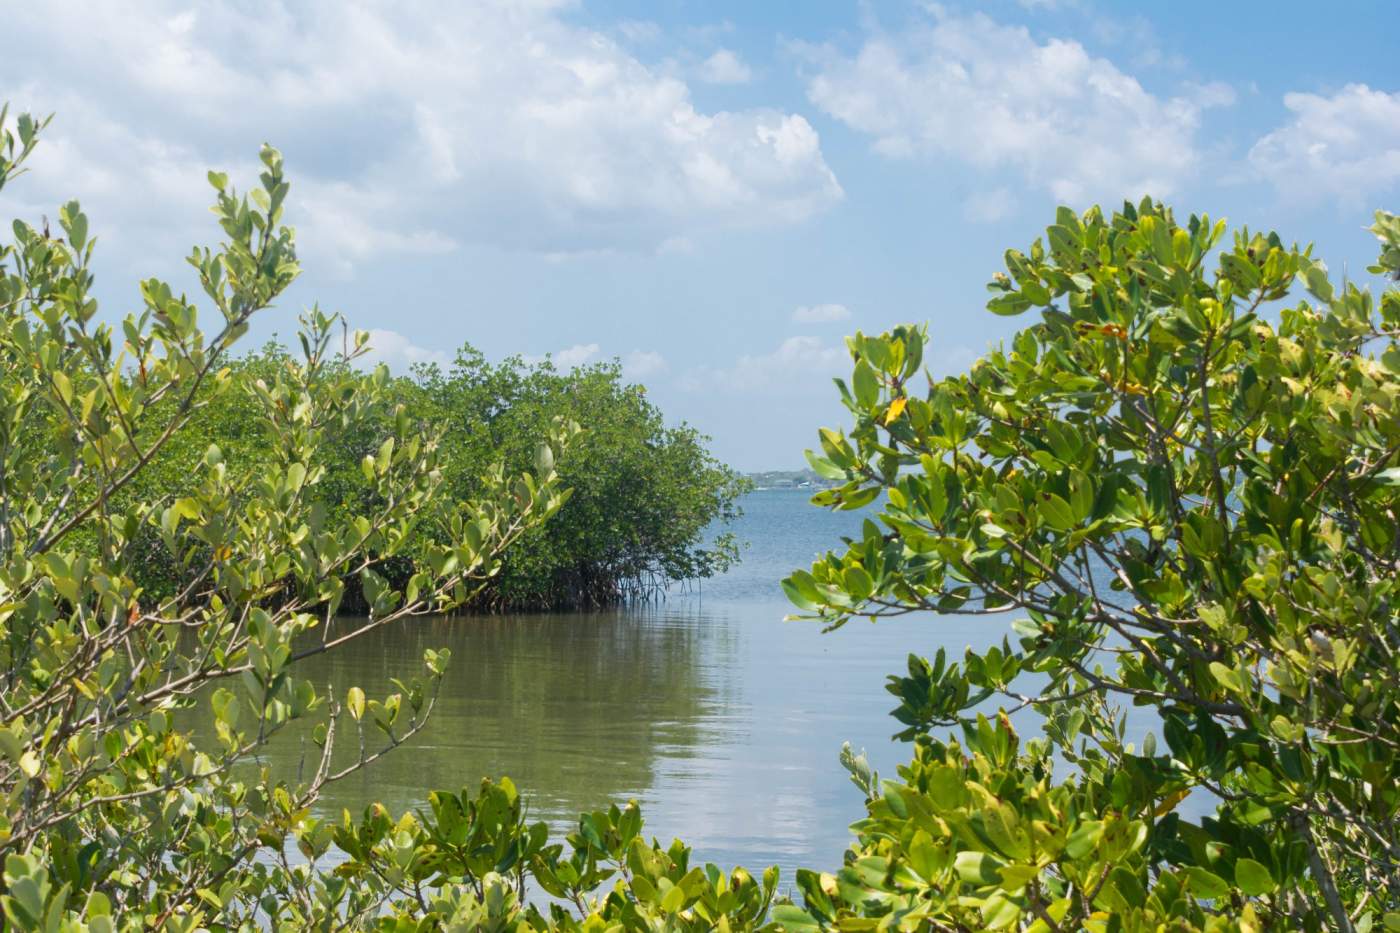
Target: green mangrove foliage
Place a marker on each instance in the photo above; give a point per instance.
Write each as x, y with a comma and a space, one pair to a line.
111, 811
642, 494
1184, 478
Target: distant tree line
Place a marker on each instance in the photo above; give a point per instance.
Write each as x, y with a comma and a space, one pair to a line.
789, 479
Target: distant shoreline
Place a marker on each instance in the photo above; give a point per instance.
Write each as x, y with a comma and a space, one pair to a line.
788, 480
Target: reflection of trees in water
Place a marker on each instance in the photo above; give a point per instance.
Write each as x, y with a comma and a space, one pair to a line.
576, 708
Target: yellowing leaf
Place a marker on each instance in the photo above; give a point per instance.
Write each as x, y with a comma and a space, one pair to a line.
1169, 803
895, 410
355, 701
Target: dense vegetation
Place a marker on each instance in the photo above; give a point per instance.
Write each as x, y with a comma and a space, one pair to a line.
1181, 480
641, 495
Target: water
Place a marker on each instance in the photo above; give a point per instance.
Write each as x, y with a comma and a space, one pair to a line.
720, 718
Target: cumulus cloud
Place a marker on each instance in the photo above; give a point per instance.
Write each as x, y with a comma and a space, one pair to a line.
397, 352
794, 366
725, 67
417, 125
972, 90
642, 363
569, 357
635, 365
131, 184
1211, 93
639, 30
803, 366
820, 314
1345, 146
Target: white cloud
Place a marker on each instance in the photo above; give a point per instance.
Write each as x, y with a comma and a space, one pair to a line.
820, 314
725, 67
642, 363
415, 125
635, 365
989, 206
339, 228
569, 357
969, 89
1345, 146
639, 30
804, 366
1211, 94
794, 367
131, 184
397, 352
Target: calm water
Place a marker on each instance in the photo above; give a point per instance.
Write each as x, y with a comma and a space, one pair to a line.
723, 720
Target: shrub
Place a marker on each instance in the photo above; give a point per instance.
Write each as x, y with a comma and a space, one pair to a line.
1184, 478
109, 807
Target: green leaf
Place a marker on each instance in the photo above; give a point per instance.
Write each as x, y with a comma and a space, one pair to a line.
1084, 839
792, 917
1000, 911
978, 868
385, 455
1391, 359
1206, 884
857, 582
1253, 878
1057, 512
673, 900
544, 460
63, 386
1228, 677
867, 387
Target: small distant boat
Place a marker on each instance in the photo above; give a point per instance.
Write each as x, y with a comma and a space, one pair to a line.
805, 484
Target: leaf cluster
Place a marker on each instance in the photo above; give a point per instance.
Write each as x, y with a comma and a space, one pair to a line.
1183, 482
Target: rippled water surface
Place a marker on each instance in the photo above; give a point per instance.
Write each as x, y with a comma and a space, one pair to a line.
723, 720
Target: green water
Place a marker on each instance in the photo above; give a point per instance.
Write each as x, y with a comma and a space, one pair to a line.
723, 720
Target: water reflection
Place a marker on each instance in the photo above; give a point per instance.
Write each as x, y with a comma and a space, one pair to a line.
721, 718
575, 708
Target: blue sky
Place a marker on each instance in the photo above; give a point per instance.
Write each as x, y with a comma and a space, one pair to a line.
715, 193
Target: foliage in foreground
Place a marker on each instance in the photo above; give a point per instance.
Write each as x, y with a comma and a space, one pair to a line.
118, 808
1193, 508
1185, 478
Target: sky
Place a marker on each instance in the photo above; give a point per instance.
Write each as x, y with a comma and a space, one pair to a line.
716, 193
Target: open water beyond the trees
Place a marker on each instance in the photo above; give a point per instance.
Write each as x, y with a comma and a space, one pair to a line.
721, 719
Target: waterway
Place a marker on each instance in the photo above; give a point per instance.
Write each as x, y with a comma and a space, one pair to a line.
723, 720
